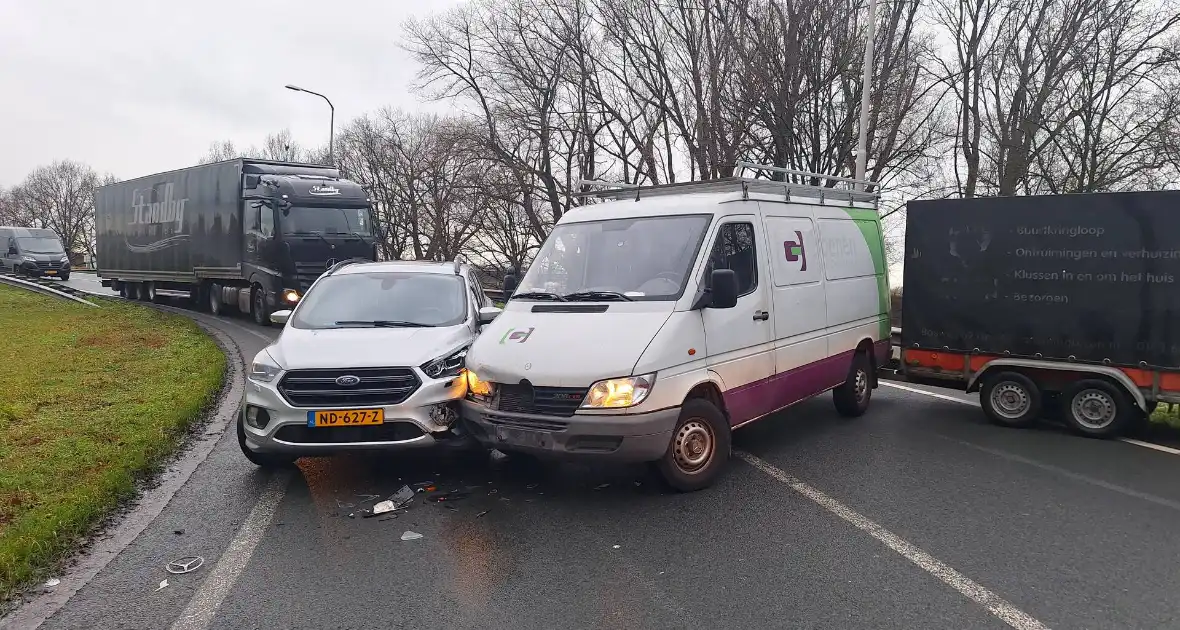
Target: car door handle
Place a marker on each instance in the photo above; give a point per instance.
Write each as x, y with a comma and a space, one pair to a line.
761, 315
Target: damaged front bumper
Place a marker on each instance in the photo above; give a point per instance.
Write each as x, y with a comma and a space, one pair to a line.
428, 418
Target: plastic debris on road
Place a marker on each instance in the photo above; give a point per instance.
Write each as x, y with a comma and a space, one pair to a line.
482, 514
381, 508
450, 495
187, 564
403, 496
52, 582
605, 485
409, 535
163, 585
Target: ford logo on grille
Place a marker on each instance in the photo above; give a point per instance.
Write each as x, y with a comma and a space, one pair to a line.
348, 380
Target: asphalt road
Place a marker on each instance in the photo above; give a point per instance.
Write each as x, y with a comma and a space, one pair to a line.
918, 515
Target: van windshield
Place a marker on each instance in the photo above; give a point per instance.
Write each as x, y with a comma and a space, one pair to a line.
645, 258
40, 245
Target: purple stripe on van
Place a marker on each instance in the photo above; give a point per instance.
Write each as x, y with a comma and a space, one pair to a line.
782, 390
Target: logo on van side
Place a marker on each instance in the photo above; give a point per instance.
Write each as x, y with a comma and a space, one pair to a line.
516, 335
795, 250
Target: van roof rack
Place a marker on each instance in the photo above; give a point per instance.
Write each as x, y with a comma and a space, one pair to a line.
746, 185
459, 261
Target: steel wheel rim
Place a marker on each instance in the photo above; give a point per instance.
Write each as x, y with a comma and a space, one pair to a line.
693, 446
1093, 408
1010, 400
861, 385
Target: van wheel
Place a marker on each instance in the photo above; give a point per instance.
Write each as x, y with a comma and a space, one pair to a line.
853, 396
1010, 399
699, 448
258, 307
262, 460
1096, 408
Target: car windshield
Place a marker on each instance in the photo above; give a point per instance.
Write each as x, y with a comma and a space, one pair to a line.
325, 221
646, 258
40, 245
383, 299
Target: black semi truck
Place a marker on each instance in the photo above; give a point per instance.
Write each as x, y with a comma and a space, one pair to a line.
243, 234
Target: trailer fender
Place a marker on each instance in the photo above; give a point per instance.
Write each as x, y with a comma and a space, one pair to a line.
1114, 374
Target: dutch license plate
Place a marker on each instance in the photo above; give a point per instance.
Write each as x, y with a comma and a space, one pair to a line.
519, 437
51, 273
345, 417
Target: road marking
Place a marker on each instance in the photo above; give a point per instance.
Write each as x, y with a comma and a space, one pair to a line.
199, 613
995, 604
1155, 447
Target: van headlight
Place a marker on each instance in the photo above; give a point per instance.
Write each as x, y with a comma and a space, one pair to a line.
619, 393
264, 369
28, 259
477, 387
443, 367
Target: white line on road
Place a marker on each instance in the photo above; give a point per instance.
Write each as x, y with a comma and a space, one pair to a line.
972, 403
199, 613
995, 604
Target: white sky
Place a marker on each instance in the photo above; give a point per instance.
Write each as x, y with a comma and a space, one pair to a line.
134, 87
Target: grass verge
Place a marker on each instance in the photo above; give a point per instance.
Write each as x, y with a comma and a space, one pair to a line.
1167, 415
90, 401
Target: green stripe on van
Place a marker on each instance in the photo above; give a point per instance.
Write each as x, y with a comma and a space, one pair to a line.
869, 223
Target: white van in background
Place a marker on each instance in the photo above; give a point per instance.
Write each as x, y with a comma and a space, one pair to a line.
651, 326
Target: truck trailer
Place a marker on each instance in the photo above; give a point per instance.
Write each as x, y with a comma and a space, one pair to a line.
242, 234
1066, 305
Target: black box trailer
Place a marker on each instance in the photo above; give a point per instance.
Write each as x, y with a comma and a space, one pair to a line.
1073, 298
251, 234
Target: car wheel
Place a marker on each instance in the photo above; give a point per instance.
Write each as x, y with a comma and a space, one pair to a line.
262, 460
699, 448
853, 396
1097, 408
1010, 399
258, 307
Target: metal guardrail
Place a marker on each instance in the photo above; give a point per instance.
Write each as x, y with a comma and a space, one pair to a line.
45, 288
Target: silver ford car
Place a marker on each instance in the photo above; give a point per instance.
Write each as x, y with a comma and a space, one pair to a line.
370, 358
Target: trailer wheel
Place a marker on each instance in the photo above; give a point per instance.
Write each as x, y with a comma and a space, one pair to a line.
125, 290
148, 292
214, 299
1096, 408
1010, 399
258, 306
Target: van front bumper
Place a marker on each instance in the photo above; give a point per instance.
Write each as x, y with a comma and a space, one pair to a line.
640, 437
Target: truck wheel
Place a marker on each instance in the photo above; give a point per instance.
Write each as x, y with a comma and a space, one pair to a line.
148, 292
258, 307
1010, 399
262, 460
1096, 408
853, 396
125, 290
214, 299
699, 448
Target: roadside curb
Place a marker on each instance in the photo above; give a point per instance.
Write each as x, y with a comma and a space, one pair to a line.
98, 551
13, 281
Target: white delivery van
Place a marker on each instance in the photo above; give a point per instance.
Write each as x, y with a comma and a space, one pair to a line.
651, 326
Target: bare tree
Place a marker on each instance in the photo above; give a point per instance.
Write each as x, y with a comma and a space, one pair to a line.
60, 197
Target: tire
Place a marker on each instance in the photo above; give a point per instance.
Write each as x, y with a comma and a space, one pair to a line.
64, 277
147, 292
125, 291
853, 396
1010, 399
213, 299
258, 308
133, 290
262, 460
1098, 408
699, 448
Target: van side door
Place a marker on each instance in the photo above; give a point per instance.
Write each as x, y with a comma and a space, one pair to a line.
800, 304
739, 341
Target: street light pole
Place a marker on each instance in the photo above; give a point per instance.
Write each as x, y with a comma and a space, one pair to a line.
862, 143
331, 119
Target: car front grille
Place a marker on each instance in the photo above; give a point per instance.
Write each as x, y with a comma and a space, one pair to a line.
377, 387
388, 432
43, 264
307, 273
545, 401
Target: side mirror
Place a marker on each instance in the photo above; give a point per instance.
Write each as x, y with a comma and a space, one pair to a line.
489, 313
509, 285
280, 317
724, 293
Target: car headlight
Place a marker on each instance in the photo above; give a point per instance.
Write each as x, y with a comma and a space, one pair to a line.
477, 387
443, 367
618, 393
291, 296
28, 259
263, 369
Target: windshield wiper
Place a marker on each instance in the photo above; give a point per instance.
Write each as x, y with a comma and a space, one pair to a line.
538, 295
304, 233
578, 296
383, 323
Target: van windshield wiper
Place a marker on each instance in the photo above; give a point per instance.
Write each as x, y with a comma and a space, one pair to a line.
383, 323
578, 296
538, 295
